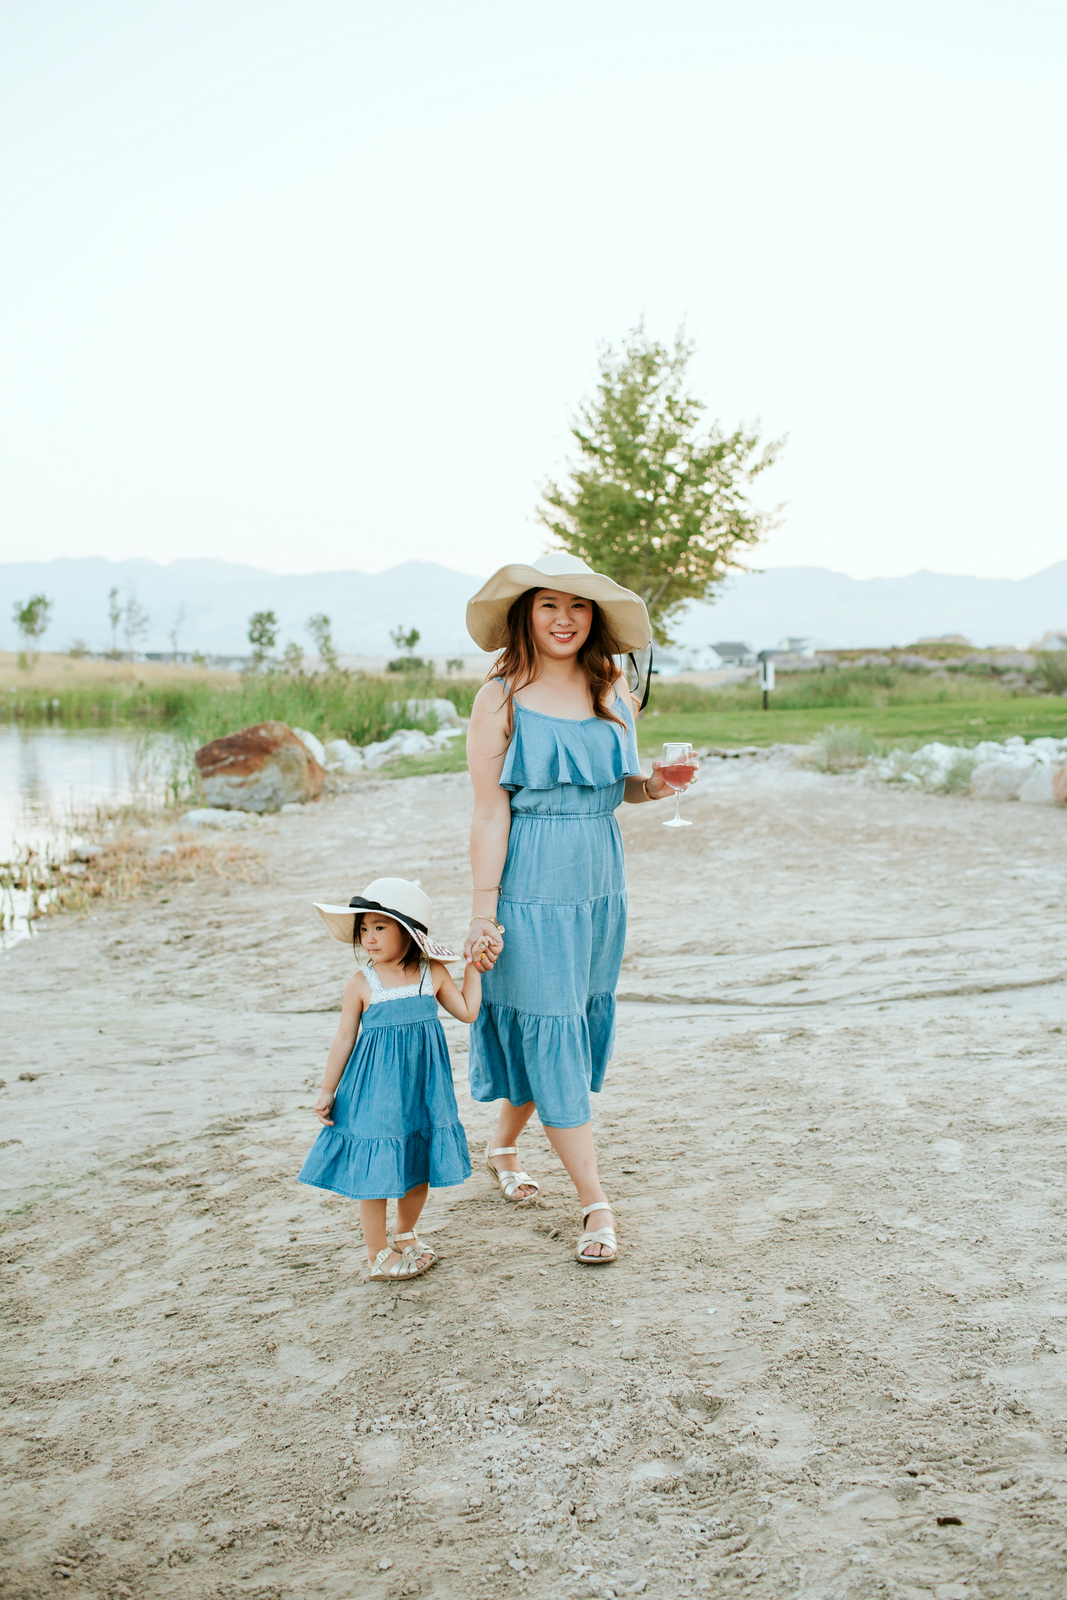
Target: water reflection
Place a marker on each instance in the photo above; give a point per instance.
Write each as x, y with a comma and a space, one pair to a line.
51, 778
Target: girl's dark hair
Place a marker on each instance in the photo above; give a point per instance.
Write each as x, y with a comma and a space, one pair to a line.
411, 955
517, 664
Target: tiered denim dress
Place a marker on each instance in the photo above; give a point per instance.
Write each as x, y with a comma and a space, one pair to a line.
396, 1123
546, 1028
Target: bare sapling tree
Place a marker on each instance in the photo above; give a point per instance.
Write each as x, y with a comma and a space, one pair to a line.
656, 498
31, 620
134, 624
179, 618
114, 617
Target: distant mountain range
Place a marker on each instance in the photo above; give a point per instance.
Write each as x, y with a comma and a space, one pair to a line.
217, 597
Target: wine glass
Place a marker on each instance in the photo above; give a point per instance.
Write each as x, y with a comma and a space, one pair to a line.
678, 766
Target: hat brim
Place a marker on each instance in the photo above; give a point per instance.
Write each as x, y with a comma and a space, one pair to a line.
624, 611
341, 921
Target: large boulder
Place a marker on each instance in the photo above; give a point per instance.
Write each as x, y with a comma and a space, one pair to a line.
342, 756
999, 780
258, 769
1046, 786
443, 710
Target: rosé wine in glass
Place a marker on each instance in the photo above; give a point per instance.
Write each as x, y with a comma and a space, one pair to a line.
678, 764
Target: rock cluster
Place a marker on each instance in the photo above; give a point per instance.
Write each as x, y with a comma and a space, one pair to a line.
340, 756
1035, 773
270, 766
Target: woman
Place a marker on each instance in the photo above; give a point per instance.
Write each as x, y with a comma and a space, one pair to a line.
552, 751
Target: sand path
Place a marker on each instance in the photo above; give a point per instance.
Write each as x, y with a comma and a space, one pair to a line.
839, 1078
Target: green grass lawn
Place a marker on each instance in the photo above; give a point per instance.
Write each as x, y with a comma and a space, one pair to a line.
963, 722
454, 759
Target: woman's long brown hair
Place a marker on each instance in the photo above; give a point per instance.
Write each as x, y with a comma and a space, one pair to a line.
517, 665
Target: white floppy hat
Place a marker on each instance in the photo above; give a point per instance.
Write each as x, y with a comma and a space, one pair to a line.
391, 897
624, 611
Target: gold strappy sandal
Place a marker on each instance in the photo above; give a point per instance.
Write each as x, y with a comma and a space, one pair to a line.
510, 1181
601, 1236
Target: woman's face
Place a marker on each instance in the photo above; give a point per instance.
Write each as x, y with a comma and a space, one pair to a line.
560, 622
382, 938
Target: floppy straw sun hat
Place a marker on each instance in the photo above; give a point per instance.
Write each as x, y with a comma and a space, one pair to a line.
391, 897
624, 611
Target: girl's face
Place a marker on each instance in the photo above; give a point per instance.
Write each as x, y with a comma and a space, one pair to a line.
382, 938
560, 622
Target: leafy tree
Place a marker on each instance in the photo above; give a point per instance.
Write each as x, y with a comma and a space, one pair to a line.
31, 620
656, 499
319, 629
454, 664
262, 635
293, 656
406, 641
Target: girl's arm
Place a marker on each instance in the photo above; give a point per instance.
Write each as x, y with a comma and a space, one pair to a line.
356, 995
461, 1004
491, 824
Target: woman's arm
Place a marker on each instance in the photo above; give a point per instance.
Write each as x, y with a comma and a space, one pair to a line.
357, 993
463, 1005
491, 823
654, 787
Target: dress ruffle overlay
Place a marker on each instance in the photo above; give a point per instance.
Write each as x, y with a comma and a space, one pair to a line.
396, 1123
546, 1028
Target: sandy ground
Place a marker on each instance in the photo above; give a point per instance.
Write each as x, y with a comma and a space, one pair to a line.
829, 1362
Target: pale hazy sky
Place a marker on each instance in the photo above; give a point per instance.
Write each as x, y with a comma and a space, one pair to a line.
318, 284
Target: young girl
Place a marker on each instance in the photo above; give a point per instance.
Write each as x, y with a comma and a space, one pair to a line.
391, 1127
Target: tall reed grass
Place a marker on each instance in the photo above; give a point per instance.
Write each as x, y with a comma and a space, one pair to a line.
198, 708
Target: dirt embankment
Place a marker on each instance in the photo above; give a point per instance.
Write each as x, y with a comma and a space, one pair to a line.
830, 1361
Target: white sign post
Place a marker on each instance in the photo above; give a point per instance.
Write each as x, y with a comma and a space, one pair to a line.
766, 679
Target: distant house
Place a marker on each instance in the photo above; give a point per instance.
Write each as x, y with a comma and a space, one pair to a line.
1055, 640
733, 653
702, 658
798, 645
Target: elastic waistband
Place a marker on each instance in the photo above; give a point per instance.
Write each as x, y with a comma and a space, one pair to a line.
561, 816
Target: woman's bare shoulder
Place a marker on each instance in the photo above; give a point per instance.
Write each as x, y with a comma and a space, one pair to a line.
625, 694
491, 698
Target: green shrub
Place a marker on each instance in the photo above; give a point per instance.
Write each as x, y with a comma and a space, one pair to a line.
841, 749
1051, 671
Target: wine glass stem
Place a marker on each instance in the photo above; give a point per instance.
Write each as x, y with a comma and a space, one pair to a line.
677, 802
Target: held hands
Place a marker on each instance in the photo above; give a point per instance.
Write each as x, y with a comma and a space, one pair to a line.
323, 1106
483, 943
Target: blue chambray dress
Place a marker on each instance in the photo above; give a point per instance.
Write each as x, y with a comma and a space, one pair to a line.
396, 1122
546, 1028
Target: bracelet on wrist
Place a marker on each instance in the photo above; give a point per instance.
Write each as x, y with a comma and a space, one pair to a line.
499, 926
647, 795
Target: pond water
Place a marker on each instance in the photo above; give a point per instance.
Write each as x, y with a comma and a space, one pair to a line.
51, 779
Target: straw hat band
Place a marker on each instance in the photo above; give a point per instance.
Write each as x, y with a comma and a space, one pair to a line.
624, 612
404, 902
358, 903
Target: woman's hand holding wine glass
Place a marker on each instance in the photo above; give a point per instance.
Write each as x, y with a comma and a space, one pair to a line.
678, 767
